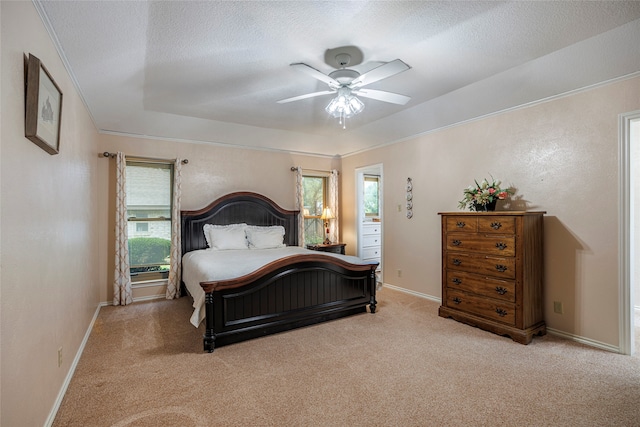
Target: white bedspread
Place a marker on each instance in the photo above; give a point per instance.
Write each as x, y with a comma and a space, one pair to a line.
207, 265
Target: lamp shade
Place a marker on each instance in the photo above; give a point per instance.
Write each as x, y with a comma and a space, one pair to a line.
327, 214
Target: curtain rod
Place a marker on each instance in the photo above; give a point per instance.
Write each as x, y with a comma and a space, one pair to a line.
294, 168
113, 155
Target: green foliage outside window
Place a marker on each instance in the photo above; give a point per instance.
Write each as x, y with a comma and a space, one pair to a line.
144, 251
371, 196
314, 188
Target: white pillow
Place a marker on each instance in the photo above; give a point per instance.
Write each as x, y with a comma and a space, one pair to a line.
265, 237
226, 237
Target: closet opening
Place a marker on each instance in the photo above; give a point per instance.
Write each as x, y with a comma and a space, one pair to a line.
369, 208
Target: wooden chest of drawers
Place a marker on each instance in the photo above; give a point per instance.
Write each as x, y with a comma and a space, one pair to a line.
492, 271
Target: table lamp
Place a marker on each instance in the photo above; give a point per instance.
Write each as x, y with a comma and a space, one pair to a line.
326, 216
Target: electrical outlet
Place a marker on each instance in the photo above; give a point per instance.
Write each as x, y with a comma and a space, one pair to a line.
557, 307
399, 208
59, 357
399, 273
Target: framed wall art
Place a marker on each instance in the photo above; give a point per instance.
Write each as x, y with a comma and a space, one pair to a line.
43, 107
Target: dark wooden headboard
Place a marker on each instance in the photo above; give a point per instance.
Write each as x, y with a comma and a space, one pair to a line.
241, 207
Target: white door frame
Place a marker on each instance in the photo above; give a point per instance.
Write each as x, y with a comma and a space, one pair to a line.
360, 172
626, 250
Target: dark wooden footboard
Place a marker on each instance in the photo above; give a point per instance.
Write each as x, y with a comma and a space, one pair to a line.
290, 293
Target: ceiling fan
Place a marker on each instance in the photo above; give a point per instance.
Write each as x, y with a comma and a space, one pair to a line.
347, 83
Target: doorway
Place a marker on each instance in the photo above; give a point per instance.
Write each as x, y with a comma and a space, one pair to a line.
369, 218
629, 136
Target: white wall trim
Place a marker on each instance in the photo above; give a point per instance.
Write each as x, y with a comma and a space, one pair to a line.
72, 370
625, 291
583, 340
137, 299
414, 293
150, 298
572, 337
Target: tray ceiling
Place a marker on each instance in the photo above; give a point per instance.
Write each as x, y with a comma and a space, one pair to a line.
213, 71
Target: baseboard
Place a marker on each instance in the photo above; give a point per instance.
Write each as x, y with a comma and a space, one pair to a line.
572, 337
72, 370
150, 298
583, 340
137, 299
414, 293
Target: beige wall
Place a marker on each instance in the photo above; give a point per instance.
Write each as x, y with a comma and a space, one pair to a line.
56, 211
212, 171
48, 231
561, 156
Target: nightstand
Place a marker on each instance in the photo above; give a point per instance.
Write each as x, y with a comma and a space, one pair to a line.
336, 248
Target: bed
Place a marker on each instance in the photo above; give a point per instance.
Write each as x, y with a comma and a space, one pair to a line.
296, 288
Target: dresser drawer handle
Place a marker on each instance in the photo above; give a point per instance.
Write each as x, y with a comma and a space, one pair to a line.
501, 268
460, 224
456, 242
501, 246
501, 290
501, 312
456, 281
496, 225
456, 261
457, 300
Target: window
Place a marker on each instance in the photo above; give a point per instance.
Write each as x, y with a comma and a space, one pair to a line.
149, 187
371, 196
315, 192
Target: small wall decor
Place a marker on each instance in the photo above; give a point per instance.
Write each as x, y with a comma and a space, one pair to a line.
43, 106
409, 198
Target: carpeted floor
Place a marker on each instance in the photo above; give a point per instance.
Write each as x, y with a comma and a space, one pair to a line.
403, 366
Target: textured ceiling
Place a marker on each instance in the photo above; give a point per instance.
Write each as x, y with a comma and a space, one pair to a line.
213, 71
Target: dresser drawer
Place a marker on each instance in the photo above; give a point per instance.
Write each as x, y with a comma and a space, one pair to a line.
464, 224
370, 253
371, 228
493, 266
500, 311
371, 240
498, 244
482, 285
497, 224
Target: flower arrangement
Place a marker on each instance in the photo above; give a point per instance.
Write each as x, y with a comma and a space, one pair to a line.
482, 194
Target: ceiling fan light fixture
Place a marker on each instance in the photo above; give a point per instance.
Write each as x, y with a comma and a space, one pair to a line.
348, 83
356, 105
344, 106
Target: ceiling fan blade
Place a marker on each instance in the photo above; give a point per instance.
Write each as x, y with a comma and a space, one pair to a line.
316, 74
308, 95
382, 72
381, 95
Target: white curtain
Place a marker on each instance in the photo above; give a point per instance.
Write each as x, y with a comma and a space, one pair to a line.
122, 278
175, 269
332, 201
300, 206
